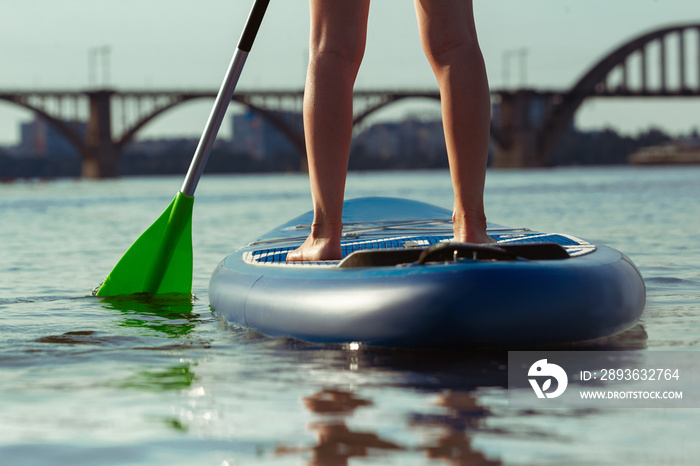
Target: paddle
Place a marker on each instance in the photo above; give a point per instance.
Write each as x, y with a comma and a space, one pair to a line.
160, 261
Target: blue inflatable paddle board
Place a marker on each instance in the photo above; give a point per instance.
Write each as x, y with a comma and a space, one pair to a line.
401, 284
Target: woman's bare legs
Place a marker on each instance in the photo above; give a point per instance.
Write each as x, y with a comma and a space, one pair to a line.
337, 40
448, 35
336, 47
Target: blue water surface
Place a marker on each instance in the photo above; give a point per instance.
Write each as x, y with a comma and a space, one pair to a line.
86, 380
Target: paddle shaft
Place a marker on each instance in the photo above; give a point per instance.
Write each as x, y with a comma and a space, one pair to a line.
223, 98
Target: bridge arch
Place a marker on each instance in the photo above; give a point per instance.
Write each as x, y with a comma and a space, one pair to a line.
392, 98
129, 134
514, 136
60, 125
293, 134
272, 117
594, 82
386, 100
75, 139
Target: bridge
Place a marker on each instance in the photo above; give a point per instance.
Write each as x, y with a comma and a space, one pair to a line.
525, 127
529, 123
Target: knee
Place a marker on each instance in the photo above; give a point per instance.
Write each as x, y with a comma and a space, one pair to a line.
445, 47
346, 55
338, 33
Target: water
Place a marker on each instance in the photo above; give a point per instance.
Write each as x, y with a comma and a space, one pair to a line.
85, 381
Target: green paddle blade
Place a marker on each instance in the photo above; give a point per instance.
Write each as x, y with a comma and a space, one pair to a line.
160, 261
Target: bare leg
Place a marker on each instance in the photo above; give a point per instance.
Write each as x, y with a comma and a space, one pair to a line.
448, 35
336, 47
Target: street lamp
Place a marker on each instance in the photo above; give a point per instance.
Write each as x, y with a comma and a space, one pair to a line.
507, 55
95, 53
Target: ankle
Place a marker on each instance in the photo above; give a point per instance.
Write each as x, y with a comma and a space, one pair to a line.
471, 218
325, 229
470, 227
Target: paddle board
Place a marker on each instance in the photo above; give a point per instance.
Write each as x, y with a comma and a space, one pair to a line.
402, 284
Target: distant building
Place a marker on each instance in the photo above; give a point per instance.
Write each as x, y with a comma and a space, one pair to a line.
412, 137
158, 146
681, 151
38, 138
258, 138
409, 142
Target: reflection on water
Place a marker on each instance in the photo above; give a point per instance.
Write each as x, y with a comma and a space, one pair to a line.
450, 431
179, 377
168, 315
448, 410
348, 421
336, 442
78, 337
445, 433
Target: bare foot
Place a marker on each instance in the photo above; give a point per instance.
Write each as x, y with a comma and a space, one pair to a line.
319, 246
316, 249
470, 228
477, 238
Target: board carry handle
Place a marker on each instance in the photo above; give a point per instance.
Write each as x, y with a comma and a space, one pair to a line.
223, 98
503, 252
445, 252
453, 251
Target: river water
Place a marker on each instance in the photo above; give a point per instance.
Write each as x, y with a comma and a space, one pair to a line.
85, 381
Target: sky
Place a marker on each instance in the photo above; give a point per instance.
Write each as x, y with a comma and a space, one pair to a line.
187, 44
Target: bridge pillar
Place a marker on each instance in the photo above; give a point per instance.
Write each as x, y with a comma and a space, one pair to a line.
101, 157
519, 116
